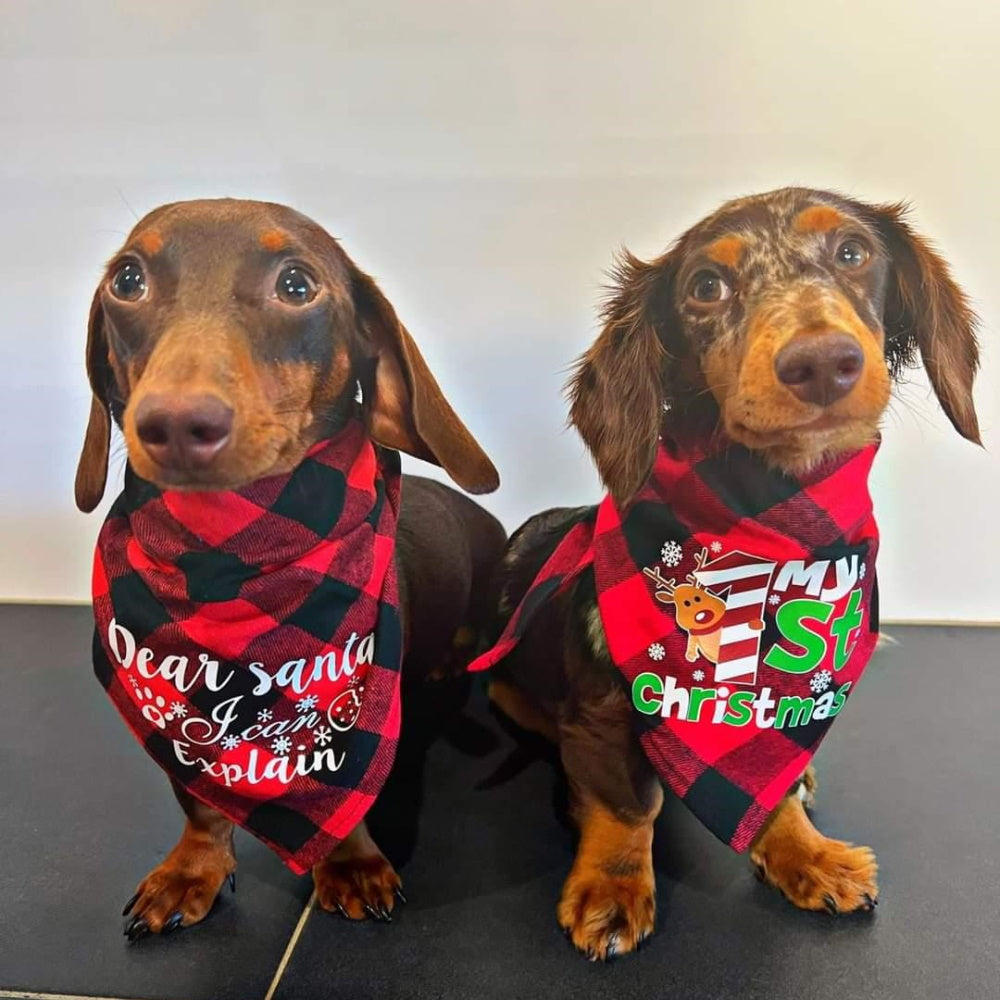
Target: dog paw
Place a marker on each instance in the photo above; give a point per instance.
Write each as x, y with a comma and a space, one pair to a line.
178, 893
358, 887
826, 875
605, 916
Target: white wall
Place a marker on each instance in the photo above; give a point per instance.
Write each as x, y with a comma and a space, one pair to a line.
484, 159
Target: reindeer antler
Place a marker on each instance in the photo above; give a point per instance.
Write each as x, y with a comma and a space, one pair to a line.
667, 586
700, 558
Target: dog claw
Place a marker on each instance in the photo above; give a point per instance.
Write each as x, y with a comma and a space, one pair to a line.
830, 904
399, 895
342, 911
760, 873
872, 901
370, 910
136, 928
231, 877
173, 923
384, 915
130, 904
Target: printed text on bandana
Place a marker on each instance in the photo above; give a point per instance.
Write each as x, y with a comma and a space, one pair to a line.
738, 616
234, 729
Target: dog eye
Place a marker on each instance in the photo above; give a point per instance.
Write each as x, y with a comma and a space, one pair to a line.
852, 254
295, 285
707, 286
129, 282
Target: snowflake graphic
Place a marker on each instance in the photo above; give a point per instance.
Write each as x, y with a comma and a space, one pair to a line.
265, 715
323, 735
671, 553
656, 651
699, 675
716, 546
774, 599
281, 745
133, 682
820, 681
356, 682
862, 571
230, 742
178, 709
306, 703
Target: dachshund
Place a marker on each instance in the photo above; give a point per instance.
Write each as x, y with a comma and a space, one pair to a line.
226, 339
780, 322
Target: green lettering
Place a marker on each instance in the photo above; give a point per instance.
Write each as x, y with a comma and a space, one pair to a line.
840, 697
741, 707
698, 698
843, 626
642, 701
790, 620
800, 710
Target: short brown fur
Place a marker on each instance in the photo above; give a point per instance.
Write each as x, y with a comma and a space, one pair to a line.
209, 323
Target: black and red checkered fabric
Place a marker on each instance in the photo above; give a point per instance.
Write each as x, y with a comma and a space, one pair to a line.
251, 640
730, 706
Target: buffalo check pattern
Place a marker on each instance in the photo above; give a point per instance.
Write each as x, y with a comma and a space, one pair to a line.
201, 599
723, 500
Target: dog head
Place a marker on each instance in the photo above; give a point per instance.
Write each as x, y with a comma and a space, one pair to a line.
227, 337
782, 320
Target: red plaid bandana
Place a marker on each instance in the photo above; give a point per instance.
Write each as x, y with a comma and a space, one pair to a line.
740, 606
251, 640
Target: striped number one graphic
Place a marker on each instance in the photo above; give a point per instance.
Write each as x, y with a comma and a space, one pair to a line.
747, 580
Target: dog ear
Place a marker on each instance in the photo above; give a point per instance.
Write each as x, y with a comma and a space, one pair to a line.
617, 392
925, 310
92, 469
405, 405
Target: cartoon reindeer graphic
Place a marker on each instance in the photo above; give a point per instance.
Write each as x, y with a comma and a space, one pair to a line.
698, 611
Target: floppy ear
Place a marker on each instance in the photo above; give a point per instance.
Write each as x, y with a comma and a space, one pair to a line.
407, 409
92, 469
616, 392
926, 310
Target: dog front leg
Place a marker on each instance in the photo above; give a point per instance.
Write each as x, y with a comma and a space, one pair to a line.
814, 872
356, 879
180, 891
608, 902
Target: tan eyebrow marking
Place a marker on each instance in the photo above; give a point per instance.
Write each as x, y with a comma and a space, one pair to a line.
273, 239
818, 219
726, 250
151, 242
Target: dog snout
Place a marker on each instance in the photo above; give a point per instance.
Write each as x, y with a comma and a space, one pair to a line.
183, 431
820, 368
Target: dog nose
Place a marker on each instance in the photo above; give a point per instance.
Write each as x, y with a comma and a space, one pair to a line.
183, 432
820, 368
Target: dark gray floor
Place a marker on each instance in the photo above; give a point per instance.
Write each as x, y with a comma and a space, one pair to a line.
912, 769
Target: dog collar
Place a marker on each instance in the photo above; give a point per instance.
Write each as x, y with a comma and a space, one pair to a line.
251, 640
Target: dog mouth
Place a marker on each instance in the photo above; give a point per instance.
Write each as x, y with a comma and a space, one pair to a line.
702, 617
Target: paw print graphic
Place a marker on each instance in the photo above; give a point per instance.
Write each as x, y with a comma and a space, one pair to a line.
154, 707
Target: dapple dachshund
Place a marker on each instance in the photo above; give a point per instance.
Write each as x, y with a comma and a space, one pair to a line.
779, 322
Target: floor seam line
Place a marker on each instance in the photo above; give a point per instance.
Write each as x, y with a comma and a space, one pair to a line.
290, 947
